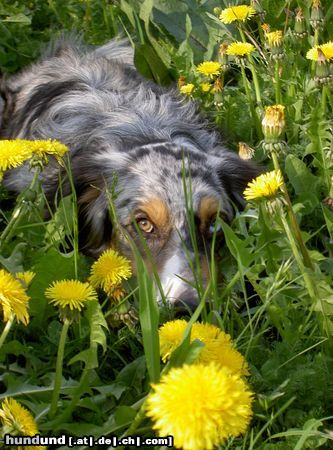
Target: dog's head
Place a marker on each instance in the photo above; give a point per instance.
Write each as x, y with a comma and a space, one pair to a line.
166, 200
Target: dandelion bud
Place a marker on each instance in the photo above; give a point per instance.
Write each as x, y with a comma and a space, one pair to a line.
217, 11
224, 56
317, 16
299, 27
181, 81
265, 27
218, 86
273, 123
323, 75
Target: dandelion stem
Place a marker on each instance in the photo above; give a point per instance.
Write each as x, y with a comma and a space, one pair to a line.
6, 330
324, 93
307, 277
59, 364
254, 75
251, 105
292, 218
277, 84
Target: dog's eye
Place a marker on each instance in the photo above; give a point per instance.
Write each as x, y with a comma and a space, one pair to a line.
214, 227
145, 224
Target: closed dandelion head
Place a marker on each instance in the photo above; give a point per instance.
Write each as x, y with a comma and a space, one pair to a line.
218, 347
273, 122
109, 270
181, 81
209, 68
13, 153
316, 15
223, 48
240, 49
70, 295
187, 89
116, 293
316, 4
266, 185
200, 406
237, 13
13, 298
300, 30
274, 38
17, 420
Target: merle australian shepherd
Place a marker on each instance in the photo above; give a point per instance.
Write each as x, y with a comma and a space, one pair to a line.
119, 125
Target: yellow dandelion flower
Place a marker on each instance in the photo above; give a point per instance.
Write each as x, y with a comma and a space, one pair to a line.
109, 270
13, 298
209, 68
240, 12
48, 147
206, 87
13, 154
72, 294
274, 38
200, 406
240, 49
273, 122
18, 421
218, 345
186, 89
327, 50
41, 149
266, 185
25, 277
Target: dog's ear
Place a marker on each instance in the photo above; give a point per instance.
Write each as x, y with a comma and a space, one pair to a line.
94, 221
235, 173
7, 104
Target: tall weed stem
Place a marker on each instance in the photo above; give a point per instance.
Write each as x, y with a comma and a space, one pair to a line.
59, 364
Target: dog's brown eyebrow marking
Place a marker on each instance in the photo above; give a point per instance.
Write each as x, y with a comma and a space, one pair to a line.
158, 212
208, 208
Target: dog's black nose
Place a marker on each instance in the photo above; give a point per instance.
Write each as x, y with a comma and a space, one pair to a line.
186, 303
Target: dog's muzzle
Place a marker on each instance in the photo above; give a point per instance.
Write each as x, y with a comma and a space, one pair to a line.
178, 282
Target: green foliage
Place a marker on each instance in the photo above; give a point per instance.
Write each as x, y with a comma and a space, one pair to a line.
277, 308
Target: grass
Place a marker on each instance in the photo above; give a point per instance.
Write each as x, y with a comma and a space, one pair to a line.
275, 296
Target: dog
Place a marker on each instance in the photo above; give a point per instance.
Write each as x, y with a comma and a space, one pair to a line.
148, 140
